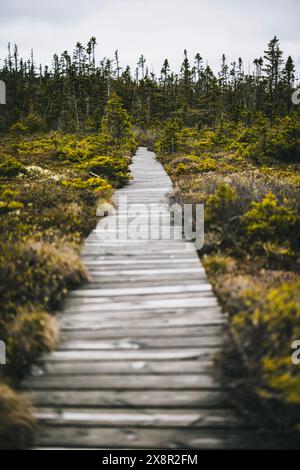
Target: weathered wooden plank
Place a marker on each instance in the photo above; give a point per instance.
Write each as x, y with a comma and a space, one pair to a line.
96, 322
125, 292
98, 264
99, 367
97, 312
153, 418
101, 260
163, 244
151, 262
92, 382
101, 277
129, 281
156, 334
129, 398
68, 344
139, 241
147, 189
137, 282
135, 355
114, 250
145, 304
153, 258
128, 438
133, 255
148, 272
203, 296
125, 310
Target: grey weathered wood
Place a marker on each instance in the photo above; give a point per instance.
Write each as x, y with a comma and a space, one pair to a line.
133, 381
98, 367
134, 354
99, 313
142, 417
141, 291
144, 332
134, 343
111, 399
143, 304
96, 322
121, 437
134, 367
137, 282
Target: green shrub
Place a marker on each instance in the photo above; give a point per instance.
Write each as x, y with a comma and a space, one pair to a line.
206, 141
34, 123
29, 125
182, 168
186, 159
268, 221
283, 139
35, 146
10, 167
115, 169
185, 138
7, 203
169, 139
220, 206
207, 164
278, 140
100, 185
266, 331
75, 150
191, 164
19, 128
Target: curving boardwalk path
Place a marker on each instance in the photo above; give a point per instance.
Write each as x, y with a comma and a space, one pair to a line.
134, 368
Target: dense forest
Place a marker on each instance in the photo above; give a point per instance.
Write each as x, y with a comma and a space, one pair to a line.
72, 93
230, 140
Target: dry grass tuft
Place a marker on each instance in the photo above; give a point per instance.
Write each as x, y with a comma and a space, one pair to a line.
17, 424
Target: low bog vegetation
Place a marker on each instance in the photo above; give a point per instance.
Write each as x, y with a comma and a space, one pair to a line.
248, 177
50, 186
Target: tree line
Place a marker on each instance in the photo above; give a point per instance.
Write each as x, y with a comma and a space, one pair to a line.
71, 94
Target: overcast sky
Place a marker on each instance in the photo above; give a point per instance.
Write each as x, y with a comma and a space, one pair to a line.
156, 28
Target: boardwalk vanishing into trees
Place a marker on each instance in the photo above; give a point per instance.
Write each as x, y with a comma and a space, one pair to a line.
134, 367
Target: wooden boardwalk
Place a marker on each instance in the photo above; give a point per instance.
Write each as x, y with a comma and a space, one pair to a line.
134, 368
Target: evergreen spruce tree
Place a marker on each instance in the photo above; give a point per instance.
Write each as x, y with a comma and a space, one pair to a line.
273, 62
116, 123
